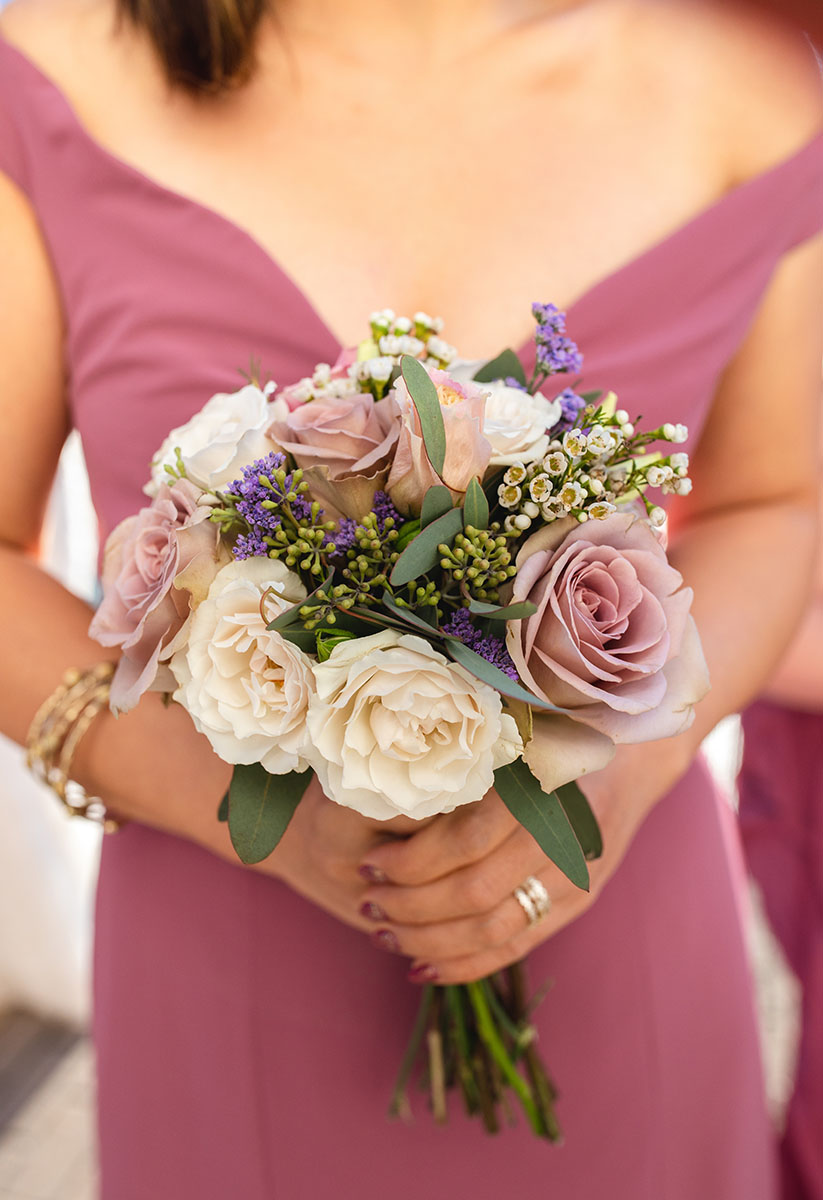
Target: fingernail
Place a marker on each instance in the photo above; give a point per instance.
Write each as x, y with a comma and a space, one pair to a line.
372, 911
384, 939
373, 874
425, 973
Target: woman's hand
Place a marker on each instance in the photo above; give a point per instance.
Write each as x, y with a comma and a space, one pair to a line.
448, 901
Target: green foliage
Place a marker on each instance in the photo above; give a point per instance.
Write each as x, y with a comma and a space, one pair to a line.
423, 553
427, 402
488, 673
506, 365
436, 502
542, 815
260, 808
582, 819
475, 506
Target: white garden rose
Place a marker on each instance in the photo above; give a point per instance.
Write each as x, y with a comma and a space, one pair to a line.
395, 729
226, 435
516, 424
246, 688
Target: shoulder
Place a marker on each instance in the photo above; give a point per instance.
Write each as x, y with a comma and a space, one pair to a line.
68, 40
755, 80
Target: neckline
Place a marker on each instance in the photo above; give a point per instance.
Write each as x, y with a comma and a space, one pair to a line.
525, 351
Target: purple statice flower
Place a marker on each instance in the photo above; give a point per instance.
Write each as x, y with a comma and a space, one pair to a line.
344, 535
493, 649
251, 495
558, 355
549, 317
570, 405
383, 509
512, 382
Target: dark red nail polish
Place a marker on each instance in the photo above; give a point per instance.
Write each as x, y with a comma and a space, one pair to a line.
425, 973
373, 874
384, 939
372, 911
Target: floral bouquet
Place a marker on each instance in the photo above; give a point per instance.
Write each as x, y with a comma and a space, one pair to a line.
420, 579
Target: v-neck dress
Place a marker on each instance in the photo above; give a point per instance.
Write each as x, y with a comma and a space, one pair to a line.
247, 1042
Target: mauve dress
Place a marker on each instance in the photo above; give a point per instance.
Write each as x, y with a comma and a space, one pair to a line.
247, 1042
781, 821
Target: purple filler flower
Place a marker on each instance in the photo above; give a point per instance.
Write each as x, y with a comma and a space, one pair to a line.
252, 500
556, 353
493, 649
570, 405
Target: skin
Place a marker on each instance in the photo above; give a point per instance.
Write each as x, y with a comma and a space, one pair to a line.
669, 106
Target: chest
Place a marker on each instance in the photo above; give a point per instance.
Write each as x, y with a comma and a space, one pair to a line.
468, 188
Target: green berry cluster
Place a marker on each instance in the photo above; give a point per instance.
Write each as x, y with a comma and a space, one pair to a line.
479, 561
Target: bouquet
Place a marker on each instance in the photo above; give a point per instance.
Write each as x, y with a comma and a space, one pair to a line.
420, 579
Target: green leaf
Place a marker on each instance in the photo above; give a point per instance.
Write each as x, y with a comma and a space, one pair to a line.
292, 615
427, 402
422, 554
475, 506
542, 815
493, 676
260, 808
437, 500
223, 810
412, 618
510, 612
406, 533
582, 819
506, 364
327, 639
304, 639
590, 397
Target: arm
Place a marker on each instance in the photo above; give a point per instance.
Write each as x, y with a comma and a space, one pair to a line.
44, 628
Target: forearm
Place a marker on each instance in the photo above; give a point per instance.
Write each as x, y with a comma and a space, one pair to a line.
149, 764
798, 681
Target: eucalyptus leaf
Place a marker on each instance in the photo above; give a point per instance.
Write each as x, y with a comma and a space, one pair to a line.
412, 618
509, 612
493, 676
422, 553
260, 808
591, 397
292, 615
437, 500
427, 402
582, 819
542, 815
304, 639
475, 506
223, 810
506, 365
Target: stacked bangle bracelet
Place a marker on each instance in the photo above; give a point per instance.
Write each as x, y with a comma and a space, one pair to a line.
56, 731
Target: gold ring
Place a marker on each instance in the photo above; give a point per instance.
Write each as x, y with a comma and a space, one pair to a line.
533, 899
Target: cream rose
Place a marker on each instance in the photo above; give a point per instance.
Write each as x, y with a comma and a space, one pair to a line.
246, 688
516, 424
226, 435
395, 729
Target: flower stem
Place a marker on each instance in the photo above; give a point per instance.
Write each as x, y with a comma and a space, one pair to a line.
492, 1041
399, 1103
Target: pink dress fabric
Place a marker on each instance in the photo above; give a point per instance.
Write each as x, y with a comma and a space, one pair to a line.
781, 820
247, 1042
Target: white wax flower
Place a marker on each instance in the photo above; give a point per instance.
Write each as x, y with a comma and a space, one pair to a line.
395, 728
225, 436
246, 688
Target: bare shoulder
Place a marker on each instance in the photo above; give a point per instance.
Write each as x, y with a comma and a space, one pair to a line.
756, 80
64, 38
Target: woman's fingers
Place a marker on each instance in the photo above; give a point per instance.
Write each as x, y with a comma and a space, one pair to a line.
469, 891
468, 835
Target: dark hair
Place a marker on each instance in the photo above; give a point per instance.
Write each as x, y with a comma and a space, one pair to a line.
204, 45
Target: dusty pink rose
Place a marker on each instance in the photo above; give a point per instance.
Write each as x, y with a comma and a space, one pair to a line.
344, 445
467, 450
612, 641
153, 564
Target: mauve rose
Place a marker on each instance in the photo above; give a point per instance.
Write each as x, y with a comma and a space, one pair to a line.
612, 641
467, 450
144, 606
345, 447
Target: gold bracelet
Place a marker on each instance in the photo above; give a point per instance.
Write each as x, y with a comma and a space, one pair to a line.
55, 733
